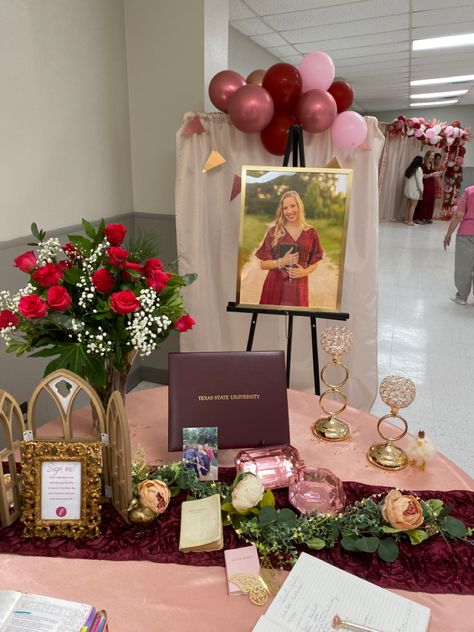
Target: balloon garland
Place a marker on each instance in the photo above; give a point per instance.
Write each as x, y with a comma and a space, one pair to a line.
270, 102
450, 137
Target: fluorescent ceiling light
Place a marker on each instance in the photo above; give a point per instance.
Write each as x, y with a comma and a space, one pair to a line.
429, 103
432, 82
467, 39
434, 95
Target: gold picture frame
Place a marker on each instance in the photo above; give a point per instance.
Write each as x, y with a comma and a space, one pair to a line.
61, 488
311, 278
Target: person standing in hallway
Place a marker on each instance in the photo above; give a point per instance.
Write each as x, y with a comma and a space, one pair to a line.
438, 186
424, 208
413, 190
464, 253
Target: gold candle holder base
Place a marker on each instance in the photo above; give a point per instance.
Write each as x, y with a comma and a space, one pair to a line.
387, 456
331, 429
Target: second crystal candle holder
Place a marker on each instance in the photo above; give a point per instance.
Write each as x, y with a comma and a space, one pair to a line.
316, 489
335, 341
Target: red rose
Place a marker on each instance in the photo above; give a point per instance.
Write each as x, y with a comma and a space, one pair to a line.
124, 302
70, 250
8, 318
26, 262
58, 298
32, 306
184, 323
158, 280
49, 274
117, 256
150, 266
103, 281
129, 265
115, 233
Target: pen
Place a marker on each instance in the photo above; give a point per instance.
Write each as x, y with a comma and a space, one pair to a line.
89, 620
339, 624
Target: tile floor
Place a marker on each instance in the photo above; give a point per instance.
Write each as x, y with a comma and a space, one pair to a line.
425, 336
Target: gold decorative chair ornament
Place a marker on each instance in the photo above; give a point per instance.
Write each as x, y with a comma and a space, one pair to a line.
397, 392
336, 341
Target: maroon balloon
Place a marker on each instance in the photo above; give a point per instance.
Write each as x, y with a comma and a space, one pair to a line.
275, 136
316, 111
283, 82
251, 108
222, 87
343, 94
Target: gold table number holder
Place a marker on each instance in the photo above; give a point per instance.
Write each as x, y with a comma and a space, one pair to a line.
397, 392
335, 341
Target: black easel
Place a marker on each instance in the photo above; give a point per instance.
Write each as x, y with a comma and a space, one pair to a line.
296, 147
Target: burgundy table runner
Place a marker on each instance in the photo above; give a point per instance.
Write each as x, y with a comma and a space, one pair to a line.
435, 566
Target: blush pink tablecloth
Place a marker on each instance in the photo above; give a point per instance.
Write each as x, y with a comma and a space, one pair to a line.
148, 597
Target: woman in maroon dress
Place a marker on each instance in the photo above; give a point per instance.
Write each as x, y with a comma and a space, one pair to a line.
290, 251
424, 208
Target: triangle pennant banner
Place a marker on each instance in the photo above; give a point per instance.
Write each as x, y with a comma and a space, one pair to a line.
333, 164
194, 126
236, 187
215, 159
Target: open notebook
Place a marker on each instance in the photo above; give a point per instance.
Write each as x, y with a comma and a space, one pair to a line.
314, 592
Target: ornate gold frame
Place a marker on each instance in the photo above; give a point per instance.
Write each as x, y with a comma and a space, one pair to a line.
89, 454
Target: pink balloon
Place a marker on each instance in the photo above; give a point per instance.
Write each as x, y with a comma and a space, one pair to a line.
222, 87
317, 71
430, 133
460, 161
418, 133
316, 110
251, 108
348, 130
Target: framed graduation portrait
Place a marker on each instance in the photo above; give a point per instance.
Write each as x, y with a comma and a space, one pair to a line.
292, 237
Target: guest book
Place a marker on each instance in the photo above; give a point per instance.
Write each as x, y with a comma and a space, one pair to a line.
242, 393
315, 592
24, 611
201, 525
241, 561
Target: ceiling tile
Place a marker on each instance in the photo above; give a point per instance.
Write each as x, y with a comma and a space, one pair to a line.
360, 27
368, 52
269, 40
443, 18
252, 26
282, 51
357, 11
270, 7
428, 5
239, 11
434, 31
353, 43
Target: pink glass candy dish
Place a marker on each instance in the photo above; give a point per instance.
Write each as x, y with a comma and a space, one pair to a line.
316, 489
274, 465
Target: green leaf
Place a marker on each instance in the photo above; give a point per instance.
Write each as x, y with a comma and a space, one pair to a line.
73, 357
35, 231
349, 542
454, 528
134, 273
388, 550
267, 515
287, 516
268, 499
316, 544
81, 243
190, 278
386, 529
72, 275
367, 545
229, 507
417, 536
88, 228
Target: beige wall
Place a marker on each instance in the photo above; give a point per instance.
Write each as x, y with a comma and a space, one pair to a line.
165, 56
64, 126
245, 55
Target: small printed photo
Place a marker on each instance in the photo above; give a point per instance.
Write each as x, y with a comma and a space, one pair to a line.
200, 451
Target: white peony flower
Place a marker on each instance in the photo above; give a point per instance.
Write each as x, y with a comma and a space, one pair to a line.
247, 493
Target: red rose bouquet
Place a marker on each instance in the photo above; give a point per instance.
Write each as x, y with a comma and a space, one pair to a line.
92, 304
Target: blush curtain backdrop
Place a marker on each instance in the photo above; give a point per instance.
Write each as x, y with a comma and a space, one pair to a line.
397, 155
207, 225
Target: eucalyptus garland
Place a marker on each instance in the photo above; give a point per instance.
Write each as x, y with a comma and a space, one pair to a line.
278, 533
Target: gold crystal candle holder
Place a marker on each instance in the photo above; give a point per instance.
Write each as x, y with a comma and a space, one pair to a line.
397, 392
336, 341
